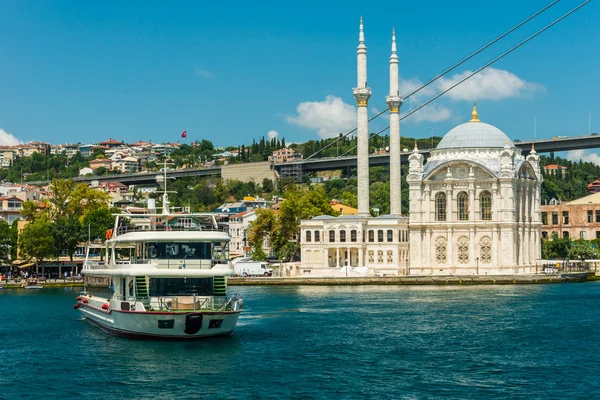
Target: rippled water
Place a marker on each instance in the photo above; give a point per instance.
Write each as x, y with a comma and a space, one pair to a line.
369, 342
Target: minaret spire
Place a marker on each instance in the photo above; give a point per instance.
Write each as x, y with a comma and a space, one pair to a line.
362, 94
394, 101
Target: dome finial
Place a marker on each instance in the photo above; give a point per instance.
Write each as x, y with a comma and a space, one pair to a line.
474, 115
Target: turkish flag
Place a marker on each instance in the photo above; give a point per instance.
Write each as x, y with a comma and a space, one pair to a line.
184, 134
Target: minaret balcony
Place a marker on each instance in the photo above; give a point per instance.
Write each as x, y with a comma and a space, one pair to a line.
362, 96
394, 103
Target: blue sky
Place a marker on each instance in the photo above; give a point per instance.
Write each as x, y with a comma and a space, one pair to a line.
229, 72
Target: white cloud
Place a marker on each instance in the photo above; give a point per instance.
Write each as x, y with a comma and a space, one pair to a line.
203, 73
585, 155
272, 134
431, 113
6, 139
328, 117
375, 111
489, 84
407, 86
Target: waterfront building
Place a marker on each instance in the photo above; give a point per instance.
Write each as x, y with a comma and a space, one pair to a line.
359, 243
285, 155
556, 170
343, 209
577, 219
110, 143
238, 233
594, 187
7, 156
474, 205
10, 208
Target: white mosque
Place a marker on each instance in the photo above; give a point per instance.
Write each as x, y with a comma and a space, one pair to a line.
474, 205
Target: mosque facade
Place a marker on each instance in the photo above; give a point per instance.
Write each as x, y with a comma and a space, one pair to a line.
474, 206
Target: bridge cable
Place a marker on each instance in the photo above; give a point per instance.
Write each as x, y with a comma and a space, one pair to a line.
479, 70
442, 74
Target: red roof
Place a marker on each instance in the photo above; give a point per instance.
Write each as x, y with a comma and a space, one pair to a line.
110, 141
554, 166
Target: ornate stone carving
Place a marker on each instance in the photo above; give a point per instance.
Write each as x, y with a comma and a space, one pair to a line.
485, 250
463, 250
441, 250
362, 96
394, 103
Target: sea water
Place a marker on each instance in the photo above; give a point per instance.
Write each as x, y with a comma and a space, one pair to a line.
307, 342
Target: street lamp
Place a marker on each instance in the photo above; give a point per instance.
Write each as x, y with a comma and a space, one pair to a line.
477, 259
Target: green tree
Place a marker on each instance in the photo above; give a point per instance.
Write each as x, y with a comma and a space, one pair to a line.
98, 222
100, 171
14, 239
556, 248
36, 242
301, 206
4, 242
258, 254
30, 211
581, 250
66, 233
267, 185
265, 226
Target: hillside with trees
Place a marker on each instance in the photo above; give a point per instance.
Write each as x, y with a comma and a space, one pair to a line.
574, 185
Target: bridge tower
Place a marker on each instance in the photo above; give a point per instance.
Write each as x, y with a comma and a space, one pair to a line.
394, 101
362, 93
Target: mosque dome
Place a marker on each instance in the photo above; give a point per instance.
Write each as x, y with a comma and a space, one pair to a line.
474, 134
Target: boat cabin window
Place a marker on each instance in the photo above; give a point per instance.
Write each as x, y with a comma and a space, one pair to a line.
181, 286
177, 251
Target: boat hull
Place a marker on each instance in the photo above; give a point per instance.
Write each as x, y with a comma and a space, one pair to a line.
161, 325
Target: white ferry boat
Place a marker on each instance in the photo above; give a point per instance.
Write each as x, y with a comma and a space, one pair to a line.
169, 276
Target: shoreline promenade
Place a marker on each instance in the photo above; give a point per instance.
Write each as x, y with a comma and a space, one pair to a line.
441, 280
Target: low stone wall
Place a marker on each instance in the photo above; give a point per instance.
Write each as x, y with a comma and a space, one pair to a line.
417, 280
256, 171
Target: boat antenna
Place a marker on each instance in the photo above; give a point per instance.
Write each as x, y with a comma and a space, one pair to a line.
165, 205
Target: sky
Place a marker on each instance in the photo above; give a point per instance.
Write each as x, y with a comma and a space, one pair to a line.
230, 72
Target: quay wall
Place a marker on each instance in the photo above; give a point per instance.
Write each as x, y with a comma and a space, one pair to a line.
389, 280
416, 280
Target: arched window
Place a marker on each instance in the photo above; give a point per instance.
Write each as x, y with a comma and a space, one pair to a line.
390, 235
440, 206
308, 236
463, 250
371, 236
317, 236
353, 235
332, 236
380, 235
342, 236
485, 200
440, 250
462, 201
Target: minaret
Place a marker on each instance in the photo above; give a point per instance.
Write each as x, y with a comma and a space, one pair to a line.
394, 101
362, 94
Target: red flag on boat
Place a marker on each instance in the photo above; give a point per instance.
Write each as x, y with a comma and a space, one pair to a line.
184, 134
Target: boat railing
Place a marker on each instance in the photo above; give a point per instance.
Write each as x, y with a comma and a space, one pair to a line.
121, 230
192, 302
88, 264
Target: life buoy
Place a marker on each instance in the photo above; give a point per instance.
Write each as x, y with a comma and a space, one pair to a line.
108, 233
